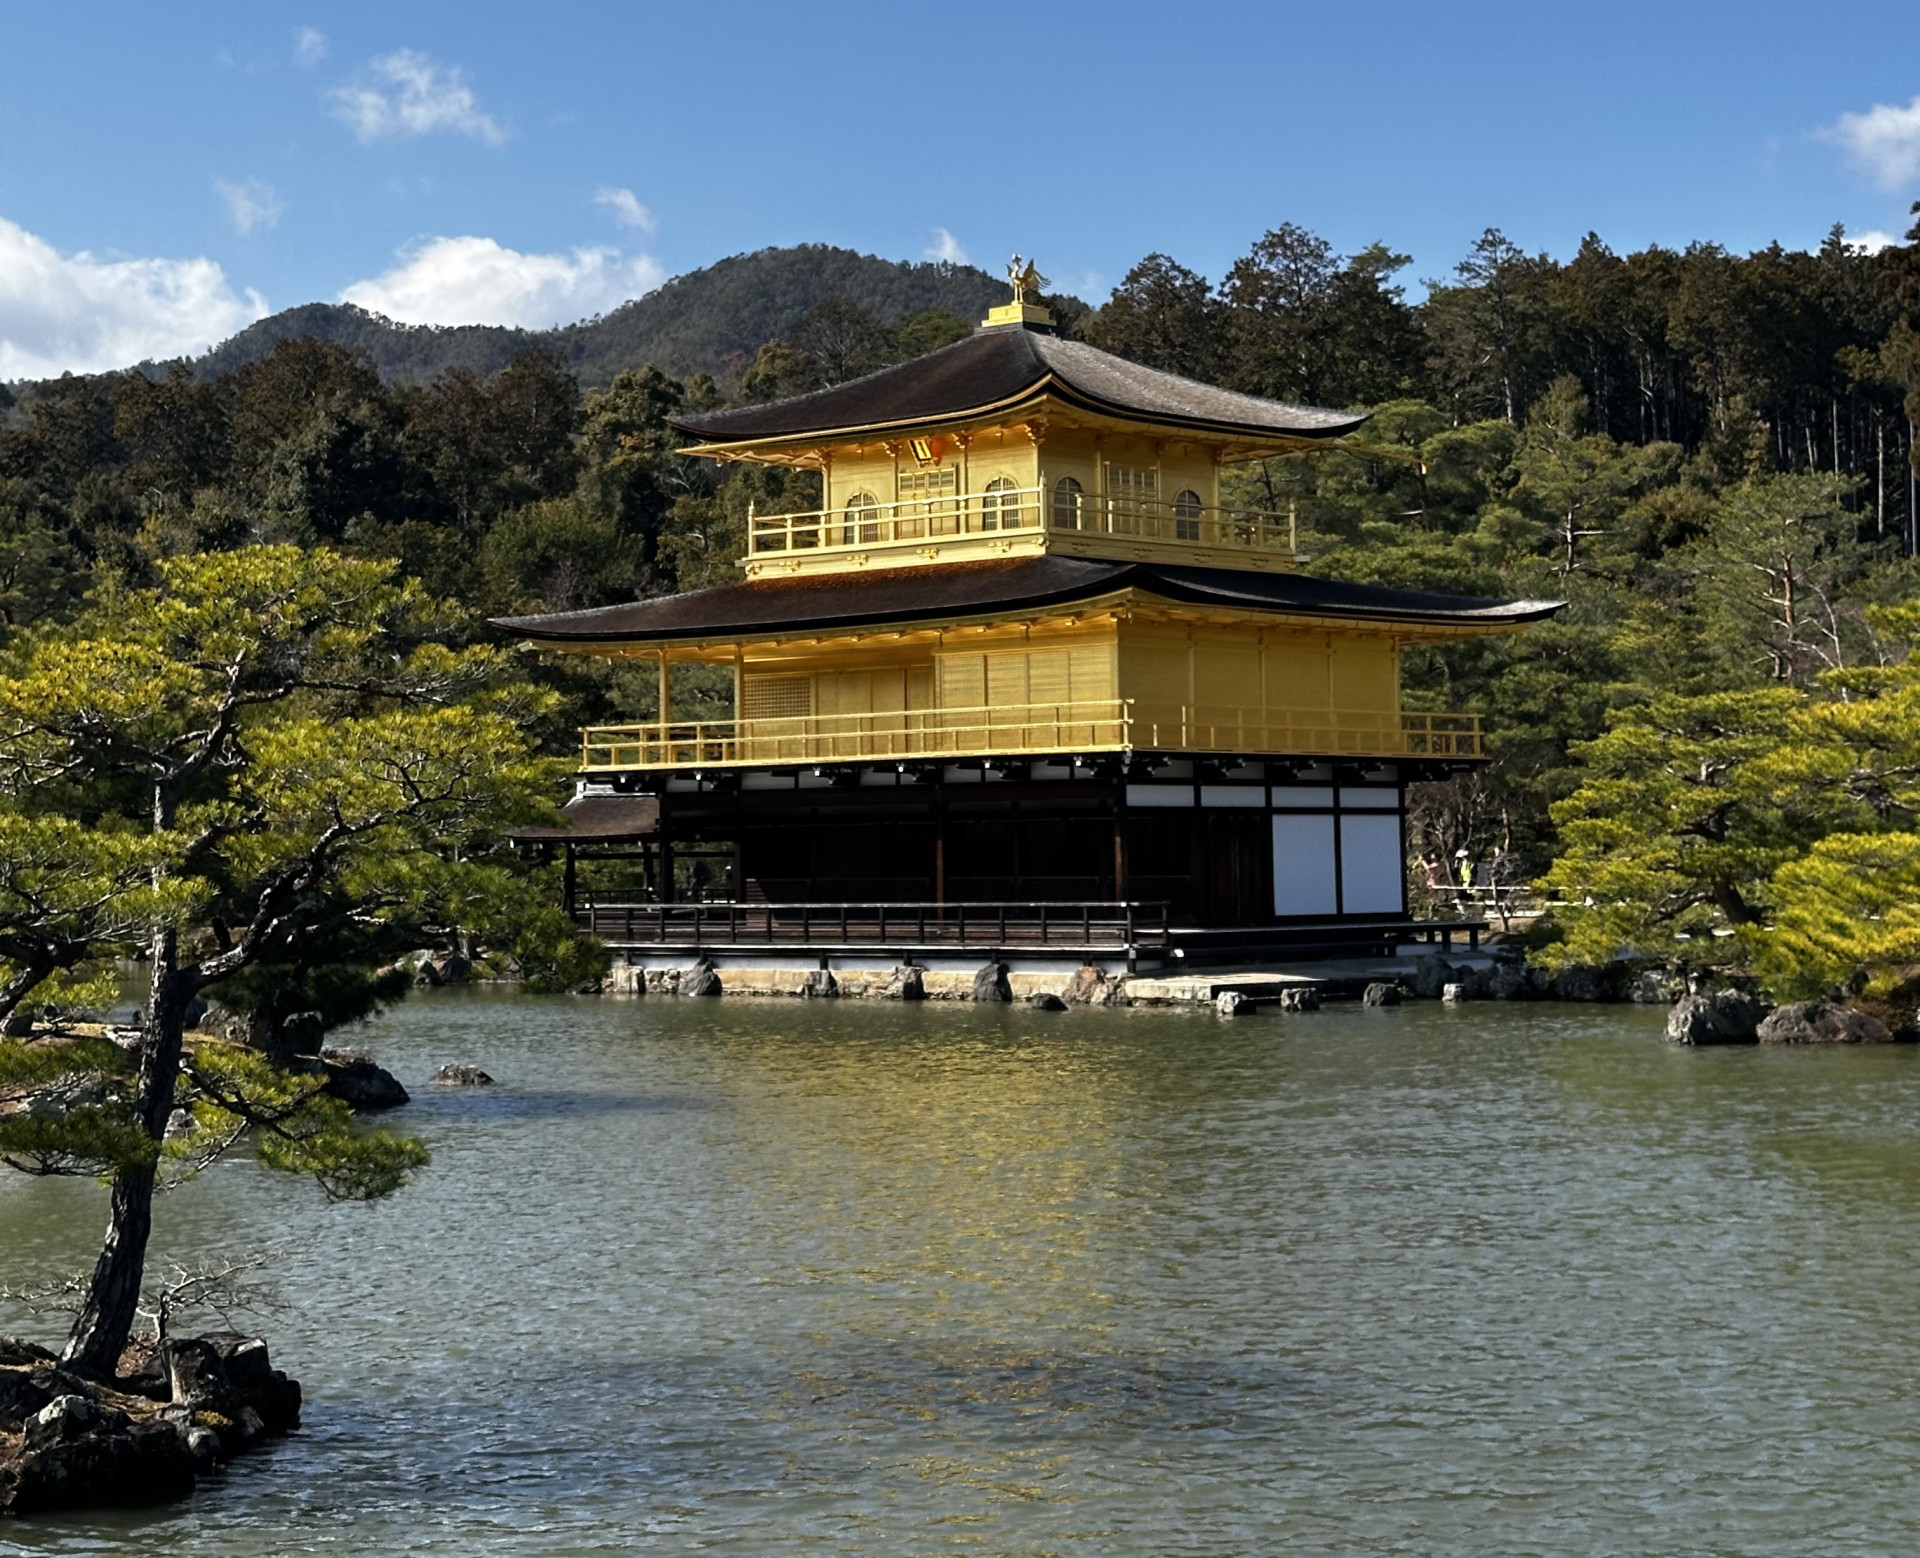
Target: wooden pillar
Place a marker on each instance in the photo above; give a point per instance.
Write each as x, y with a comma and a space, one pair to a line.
737, 888
569, 879
1120, 838
664, 851
940, 839
666, 694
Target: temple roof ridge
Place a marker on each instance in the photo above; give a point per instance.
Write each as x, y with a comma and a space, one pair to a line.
1002, 366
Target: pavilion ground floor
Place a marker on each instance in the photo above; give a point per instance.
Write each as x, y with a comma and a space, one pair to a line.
1155, 857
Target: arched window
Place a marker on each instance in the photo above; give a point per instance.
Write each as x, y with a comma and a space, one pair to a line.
1066, 504
863, 519
1186, 515
999, 505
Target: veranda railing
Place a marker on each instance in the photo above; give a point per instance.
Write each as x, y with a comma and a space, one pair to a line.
1040, 729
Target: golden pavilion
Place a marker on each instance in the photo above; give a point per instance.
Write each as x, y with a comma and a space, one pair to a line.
1022, 682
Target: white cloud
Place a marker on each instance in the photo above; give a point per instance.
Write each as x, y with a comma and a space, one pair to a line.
475, 281
1871, 242
626, 209
73, 312
945, 248
410, 94
309, 46
250, 205
1884, 142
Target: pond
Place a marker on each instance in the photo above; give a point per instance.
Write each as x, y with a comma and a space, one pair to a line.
769, 1277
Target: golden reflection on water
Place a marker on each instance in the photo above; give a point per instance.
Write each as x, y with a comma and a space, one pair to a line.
974, 1183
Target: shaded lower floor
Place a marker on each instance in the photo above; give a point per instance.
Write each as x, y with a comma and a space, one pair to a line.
1205, 845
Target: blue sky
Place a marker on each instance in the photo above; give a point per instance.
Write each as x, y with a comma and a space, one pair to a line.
171, 172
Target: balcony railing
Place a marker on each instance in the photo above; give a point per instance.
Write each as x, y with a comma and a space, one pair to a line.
1034, 729
1017, 510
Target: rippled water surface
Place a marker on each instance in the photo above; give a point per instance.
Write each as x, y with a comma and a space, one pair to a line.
781, 1277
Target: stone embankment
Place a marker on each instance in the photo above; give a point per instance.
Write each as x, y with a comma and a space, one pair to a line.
1725, 1017
1430, 978
145, 1438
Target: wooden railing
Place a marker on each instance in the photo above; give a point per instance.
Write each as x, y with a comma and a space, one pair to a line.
1034, 729
920, 521
1081, 926
1099, 725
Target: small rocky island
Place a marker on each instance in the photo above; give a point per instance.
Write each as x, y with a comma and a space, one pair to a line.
145, 1437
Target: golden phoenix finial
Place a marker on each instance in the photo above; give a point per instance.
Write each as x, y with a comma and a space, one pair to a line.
1026, 278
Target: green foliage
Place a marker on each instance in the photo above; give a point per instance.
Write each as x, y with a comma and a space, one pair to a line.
289, 776
1678, 828
295, 1126
1849, 915
63, 1109
69, 895
1774, 826
556, 556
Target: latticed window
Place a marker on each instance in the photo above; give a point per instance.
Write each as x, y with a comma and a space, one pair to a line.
863, 519
927, 505
1000, 505
776, 697
916, 486
1066, 504
1132, 489
1186, 515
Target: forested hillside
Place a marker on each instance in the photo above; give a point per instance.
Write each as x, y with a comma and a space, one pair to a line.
1708, 456
697, 323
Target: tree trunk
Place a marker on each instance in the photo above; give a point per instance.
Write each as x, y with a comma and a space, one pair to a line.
29, 977
105, 1321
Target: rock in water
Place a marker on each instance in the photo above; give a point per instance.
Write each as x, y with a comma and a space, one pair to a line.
1046, 1001
16, 1353
1650, 987
25, 1392
1431, 975
254, 1384
1453, 995
1300, 998
69, 1443
906, 983
76, 1454
452, 969
1381, 995
244, 1028
1090, 986
701, 979
990, 983
197, 1372
1822, 1022
821, 985
1578, 982
1510, 979
460, 1076
354, 1079
1725, 1017
1231, 1003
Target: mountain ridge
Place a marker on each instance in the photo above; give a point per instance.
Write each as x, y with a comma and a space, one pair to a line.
701, 322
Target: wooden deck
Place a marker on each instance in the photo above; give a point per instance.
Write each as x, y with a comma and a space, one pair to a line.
1092, 930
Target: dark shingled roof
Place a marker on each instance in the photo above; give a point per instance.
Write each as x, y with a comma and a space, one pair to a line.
1003, 366
600, 819
807, 602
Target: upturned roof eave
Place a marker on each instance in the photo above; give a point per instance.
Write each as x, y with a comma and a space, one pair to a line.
1050, 384
1098, 594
